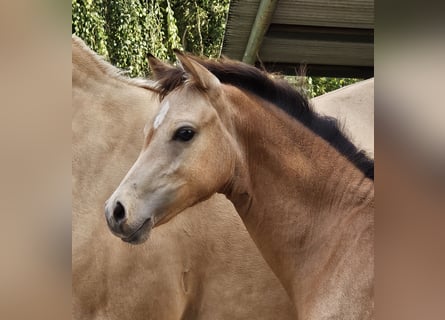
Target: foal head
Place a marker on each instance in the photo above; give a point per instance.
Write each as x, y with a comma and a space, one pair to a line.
188, 154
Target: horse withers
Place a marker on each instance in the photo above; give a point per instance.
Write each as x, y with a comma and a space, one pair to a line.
303, 190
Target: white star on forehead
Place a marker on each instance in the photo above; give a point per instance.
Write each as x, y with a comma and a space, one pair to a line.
161, 115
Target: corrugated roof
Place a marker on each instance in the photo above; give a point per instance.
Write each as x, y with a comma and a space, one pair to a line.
330, 37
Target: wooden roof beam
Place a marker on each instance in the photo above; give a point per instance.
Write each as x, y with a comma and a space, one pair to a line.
263, 18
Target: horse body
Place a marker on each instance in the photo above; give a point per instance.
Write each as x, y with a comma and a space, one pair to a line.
202, 265
353, 106
301, 188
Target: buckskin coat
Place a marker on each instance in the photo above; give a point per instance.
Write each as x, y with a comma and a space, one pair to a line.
202, 265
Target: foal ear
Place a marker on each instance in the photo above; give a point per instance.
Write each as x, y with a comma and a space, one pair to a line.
203, 77
158, 67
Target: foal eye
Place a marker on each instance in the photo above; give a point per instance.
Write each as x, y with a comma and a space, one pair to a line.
184, 134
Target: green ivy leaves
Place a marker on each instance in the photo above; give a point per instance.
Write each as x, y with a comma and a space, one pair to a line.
124, 31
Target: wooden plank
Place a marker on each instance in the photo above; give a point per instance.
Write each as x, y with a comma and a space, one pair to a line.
317, 52
286, 31
333, 37
239, 23
318, 70
327, 13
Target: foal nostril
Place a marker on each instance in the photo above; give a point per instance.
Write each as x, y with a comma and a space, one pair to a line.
119, 212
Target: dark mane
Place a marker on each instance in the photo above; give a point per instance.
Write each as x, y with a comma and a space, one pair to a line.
281, 94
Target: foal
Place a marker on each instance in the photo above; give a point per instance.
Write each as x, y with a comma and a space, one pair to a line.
304, 192
201, 266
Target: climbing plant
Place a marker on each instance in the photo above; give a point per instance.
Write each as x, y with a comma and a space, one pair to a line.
124, 31
88, 23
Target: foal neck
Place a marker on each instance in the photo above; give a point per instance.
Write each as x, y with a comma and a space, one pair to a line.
280, 151
295, 194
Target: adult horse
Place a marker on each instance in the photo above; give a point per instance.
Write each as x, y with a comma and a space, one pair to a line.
303, 190
201, 266
353, 106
